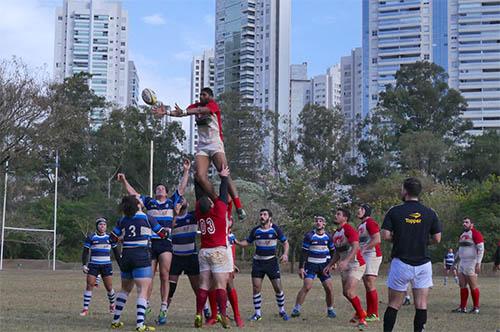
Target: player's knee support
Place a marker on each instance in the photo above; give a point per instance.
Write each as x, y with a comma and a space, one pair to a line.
172, 288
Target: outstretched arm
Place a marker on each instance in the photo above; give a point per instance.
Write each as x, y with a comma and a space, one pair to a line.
186, 165
130, 190
224, 182
198, 190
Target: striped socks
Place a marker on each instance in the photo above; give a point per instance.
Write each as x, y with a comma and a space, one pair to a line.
141, 309
257, 303
280, 300
121, 299
87, 296
112, 296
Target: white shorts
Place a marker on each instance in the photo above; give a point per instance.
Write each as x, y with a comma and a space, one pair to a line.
354, 271
400, 274
209, 149
467, 268
372, 265
230, 255
215, 260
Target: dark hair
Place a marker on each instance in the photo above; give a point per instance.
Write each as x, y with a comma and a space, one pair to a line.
472, 221
128, 206
161, 184
413, 187
205, 204
100, 220
266, 210
208, 91
367, 208
345, 212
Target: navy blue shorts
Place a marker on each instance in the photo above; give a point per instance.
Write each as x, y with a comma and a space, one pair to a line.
103, 269
269, 267
313, 269
159, 246
136, 263
188, 264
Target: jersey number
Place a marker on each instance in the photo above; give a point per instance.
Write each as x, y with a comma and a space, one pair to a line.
132, 230
207, 226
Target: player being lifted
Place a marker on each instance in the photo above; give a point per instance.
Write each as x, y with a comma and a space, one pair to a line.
369, 242
98, 245
265, 262
317, 249
215, 263
210, 142
349, 262
470, 252
135, 227
161, 207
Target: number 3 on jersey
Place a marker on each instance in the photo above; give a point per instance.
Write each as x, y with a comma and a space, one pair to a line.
132, 230
207, 226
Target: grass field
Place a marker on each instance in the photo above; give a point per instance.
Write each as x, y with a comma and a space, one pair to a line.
32, 300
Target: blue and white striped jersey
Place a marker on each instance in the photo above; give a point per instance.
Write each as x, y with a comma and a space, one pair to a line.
100, 248
163, 212
449, 259
317, 247
266, 241
184, 235
136, 231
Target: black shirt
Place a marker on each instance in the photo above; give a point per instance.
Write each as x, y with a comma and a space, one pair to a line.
411, 224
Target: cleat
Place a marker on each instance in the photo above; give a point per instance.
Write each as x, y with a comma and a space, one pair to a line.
224, 321
354, 319
407, 301
162, 318
117, 325
112, 308
148, 311
474, 311
372, 318
295, 313
362, 324
330, 313
85, 312
459, 310
198, 321
239, 321
206, 313
242, 215
255, 318
145, 328
212, 321
284, 316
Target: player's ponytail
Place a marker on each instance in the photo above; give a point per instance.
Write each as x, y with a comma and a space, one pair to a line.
128, 206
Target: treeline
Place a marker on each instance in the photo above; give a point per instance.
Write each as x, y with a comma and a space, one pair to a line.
415, 130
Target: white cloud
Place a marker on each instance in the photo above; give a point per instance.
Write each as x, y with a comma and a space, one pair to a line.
155, 19
27, 30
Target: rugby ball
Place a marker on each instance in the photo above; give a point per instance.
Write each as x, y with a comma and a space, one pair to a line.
149, 97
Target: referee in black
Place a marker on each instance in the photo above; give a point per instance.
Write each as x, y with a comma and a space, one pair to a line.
410, 227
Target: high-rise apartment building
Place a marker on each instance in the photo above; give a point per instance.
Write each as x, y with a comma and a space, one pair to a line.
133, 85
91, 36
334, 86
202, 75
474, 59
351, 68
252, 54
300, 96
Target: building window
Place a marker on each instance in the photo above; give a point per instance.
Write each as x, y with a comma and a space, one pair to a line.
374, 33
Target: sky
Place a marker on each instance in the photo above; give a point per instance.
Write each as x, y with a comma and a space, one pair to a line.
165, 34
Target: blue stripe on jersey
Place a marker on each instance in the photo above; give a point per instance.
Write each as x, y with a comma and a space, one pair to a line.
231, 238
266, 241
317, 246
100, 248
450, 258
184, 235
136, 231
163, 212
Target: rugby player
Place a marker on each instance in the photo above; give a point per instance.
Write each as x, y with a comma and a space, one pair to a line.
448, 262
162, 209
265, 262
317, 250
409, 226
369, 242
135, 227
349, 261
470, 252
210, 146
98, 246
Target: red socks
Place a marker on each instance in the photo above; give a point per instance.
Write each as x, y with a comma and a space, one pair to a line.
237, 202
372, 302
233, 299
221, 295
212, 298
464, 295
475, 297
356, 304
201, 298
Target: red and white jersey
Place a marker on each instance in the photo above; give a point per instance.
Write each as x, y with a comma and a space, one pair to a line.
471, 245
211, 129
343, 238
366, 230
213, 225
